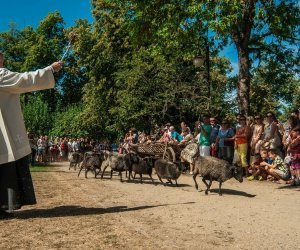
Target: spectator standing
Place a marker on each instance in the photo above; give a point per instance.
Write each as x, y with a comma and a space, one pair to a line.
204, 139
271, 137
295, 113
241, 142
294, 151
33, 146
225, 142
257, 134
213, 136
41, 149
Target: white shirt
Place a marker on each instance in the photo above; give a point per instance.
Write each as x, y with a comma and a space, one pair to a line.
14, 142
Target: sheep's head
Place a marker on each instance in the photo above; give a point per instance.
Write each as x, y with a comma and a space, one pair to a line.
237, 173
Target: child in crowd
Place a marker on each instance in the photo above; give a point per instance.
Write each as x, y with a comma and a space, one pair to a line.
278, 169
257, 168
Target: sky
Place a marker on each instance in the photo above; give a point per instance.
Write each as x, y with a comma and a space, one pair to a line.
30, 12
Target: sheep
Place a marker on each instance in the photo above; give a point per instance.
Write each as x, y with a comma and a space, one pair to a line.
189, 153
214, 169
91, 162
142, 166
129, 160
167, 170
116, 162
74, 158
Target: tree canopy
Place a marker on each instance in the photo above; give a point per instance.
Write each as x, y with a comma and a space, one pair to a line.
133, 66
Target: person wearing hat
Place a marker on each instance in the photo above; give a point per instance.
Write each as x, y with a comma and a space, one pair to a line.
16, 188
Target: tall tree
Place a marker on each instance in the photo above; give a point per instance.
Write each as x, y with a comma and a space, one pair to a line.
254, 26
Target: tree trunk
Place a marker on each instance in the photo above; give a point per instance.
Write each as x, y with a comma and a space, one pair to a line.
243, 85
241, 37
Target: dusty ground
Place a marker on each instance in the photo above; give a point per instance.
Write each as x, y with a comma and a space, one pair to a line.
79, 213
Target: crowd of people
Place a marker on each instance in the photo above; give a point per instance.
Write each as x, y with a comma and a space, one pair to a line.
48, 149
266, 148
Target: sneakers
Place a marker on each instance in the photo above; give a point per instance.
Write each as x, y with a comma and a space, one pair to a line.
260, 178
250, 178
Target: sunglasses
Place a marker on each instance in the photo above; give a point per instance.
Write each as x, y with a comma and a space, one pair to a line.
269, 115
257, 118
242, 119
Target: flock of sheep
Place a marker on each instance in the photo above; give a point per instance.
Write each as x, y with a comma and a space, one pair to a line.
209, 168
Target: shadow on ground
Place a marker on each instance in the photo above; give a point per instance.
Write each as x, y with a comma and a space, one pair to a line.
233, 192
64, 211
296, 188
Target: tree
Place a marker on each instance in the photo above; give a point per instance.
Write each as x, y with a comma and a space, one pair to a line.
36, 115
254, 26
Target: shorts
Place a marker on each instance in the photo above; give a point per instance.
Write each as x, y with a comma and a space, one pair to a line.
284, 176
41, 151
204, 150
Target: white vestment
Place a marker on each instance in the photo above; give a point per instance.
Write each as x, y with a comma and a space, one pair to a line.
14, 142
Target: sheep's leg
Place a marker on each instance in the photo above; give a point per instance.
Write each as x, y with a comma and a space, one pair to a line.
170, 181
207, 186
220, 184
103, 172
129, 173
133, 176
151, 178
160, 179
98, 172
194, 178
86, 170
80, 170
120, 173
141, 176
111, 172
176, 183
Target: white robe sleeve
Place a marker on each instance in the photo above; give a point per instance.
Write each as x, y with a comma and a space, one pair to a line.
19, 83
13, 136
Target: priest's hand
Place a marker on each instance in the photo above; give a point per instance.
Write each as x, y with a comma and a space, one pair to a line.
56, 66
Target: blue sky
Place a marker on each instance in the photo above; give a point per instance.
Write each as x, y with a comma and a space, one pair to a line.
30, 12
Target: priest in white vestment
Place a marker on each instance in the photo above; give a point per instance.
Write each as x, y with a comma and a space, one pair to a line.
16, 187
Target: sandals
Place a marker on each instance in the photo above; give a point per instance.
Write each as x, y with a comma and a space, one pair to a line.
250, 178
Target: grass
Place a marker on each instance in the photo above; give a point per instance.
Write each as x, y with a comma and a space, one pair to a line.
38, 167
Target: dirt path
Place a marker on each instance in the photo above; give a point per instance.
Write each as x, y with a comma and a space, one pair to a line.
79, 213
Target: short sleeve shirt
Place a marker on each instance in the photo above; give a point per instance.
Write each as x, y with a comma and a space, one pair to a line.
205, 140
280, 164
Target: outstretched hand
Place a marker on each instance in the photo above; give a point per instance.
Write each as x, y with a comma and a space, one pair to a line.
56, 66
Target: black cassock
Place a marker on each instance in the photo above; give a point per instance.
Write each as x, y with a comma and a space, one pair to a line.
16, 187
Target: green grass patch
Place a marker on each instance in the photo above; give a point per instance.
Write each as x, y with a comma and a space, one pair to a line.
38, 168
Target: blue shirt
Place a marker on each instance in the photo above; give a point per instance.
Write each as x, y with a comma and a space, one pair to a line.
175, 135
